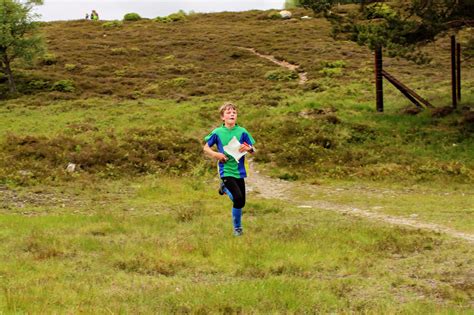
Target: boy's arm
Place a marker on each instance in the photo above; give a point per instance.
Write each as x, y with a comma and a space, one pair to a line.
213, 154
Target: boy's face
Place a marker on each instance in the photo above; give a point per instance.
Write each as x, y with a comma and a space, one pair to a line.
229, 116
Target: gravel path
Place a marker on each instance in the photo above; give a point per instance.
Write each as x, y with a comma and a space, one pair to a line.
271, 188
282, 63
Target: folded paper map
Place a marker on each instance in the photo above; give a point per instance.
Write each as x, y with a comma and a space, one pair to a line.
232, 148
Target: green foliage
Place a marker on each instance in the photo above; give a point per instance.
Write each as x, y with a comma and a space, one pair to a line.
178, 16
281, 75
139, 151
63, 86
180, 81
19, 37
119, 51
399, 27
173, 17
331, 72
49, 59
332, 68
334, 64
379, 11
112, 24
70, 66
274, 15
291, 4
132, 17
318, 6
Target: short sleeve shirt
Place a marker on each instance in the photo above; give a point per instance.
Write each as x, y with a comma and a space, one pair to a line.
220, 137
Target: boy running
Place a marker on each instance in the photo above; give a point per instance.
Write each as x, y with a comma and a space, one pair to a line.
231, 172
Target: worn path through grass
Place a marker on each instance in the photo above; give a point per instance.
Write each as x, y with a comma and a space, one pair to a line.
309, 196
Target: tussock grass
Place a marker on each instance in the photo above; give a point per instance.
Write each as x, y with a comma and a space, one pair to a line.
138, 253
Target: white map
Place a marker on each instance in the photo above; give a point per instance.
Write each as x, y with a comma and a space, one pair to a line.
232, 148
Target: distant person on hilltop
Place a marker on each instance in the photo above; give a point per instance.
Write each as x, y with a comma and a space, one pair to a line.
232, 142
87, 16
94, 15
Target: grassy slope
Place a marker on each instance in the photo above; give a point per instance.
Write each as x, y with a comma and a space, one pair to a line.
89, 242
164, 244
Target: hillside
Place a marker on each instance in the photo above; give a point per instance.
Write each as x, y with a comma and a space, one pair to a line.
200, 56
105, 71
348, 210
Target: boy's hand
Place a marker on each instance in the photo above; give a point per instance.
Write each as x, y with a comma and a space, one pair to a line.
244, 147
221, 157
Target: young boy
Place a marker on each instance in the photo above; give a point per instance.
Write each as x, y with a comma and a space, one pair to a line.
231, 172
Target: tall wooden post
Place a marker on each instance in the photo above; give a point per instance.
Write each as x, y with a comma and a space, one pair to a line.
378, 79
458, 71
453, 71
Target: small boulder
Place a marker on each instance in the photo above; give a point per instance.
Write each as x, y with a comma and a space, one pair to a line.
285, 14
71, 167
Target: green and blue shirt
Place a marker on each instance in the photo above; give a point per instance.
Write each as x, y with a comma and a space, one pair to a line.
221, 136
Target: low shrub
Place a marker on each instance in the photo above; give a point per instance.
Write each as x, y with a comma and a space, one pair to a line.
70, 66
379, 11
39, 85
274, 15
139, 151
112, 24
180, 81
178, 16
331, 72
334, 64
49, 59
173, 17
132, 17
118, 51
63, 86
281, 75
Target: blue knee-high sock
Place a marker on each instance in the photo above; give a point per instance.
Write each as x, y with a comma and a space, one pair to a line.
227, 191
237, 217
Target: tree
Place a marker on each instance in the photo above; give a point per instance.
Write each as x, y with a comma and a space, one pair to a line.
19, 38
400, 26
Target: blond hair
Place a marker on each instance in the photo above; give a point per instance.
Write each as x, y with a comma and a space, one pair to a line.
226, 106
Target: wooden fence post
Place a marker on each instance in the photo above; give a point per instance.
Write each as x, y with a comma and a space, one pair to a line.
378, 79
453, 71
458, 70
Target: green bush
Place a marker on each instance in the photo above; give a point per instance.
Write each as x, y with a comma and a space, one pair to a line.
178, 16
49, 59
138, 151
331, 72
112, 24
180, 81
119, 51
120, 73
274, 15
63, 86
281, 75
38, 85
379, 11
173, 17
70, 66
132, 17
332, 68
291, 4
334, 64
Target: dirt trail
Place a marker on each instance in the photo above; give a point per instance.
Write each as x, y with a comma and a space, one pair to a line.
282, 63
271, 188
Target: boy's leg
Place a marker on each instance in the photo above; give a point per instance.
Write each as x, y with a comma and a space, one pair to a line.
234, 186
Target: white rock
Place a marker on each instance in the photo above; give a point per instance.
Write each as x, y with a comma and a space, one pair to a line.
71, 167
306, 17
285, 14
